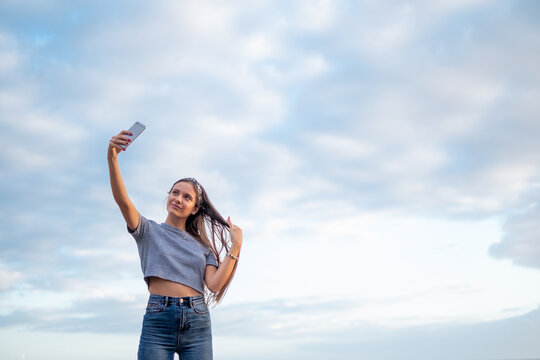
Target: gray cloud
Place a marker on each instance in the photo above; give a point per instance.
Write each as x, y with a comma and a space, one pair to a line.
443, 146
509, 338
440, 137
521, 239
107, 315
452, 135
493, 340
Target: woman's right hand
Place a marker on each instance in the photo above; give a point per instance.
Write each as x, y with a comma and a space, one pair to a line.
116, 141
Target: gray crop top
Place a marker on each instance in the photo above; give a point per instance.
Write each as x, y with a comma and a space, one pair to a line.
171, 254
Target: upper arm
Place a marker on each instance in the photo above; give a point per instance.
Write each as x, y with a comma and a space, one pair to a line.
209, 273
130, 214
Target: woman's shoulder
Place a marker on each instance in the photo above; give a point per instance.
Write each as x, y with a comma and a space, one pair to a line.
146, 221
146, 225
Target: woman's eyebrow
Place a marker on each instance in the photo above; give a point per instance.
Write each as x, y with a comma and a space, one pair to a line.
180, 191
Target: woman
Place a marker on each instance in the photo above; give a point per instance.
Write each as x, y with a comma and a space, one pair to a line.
181, 262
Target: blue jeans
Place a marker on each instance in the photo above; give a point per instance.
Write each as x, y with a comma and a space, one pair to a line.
180, 325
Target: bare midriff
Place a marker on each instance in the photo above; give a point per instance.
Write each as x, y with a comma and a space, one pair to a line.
164, 287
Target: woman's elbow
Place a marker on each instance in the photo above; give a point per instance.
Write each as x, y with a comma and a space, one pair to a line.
214, 285
213, 288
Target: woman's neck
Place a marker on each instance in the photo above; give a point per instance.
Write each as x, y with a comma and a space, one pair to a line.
176, 222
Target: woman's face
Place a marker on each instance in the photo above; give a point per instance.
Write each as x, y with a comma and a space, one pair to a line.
182, 200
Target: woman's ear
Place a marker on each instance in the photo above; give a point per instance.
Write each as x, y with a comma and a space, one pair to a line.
195, 210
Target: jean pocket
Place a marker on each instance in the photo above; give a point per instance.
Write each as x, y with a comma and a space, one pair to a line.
199, 306
155, 306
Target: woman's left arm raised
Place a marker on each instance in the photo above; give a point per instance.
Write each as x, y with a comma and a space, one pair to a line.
216, 278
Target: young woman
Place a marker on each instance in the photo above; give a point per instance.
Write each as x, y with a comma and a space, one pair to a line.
181, 263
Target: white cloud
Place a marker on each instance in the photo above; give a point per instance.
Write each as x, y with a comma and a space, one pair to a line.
34, 134
112, 256
446, 6
9, 57
260, 46
8, 278
402, 271
520, 242
342, 146
312, 66
486, 340
463, 89
204, 18
340, 135
317, 16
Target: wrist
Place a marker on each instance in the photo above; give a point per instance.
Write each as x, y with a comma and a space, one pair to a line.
235, 250
112, 156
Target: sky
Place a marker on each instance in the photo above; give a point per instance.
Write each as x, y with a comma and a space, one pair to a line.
382, 159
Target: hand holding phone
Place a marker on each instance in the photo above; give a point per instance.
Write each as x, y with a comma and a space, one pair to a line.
135, 130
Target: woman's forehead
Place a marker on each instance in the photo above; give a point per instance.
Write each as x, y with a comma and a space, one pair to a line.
185, 187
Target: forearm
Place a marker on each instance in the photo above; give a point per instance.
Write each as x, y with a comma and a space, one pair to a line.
117, 183
222, 275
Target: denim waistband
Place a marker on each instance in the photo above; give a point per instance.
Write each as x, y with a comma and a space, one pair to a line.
184, 300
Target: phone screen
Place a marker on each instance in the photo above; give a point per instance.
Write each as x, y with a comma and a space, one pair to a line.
136, 129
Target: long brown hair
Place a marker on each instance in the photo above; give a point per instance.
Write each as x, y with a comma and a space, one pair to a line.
209, 228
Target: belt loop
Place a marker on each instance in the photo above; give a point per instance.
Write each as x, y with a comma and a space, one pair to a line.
166, 302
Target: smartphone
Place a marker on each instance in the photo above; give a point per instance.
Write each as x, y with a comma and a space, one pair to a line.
136, 129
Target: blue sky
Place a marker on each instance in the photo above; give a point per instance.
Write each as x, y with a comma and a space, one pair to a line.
381, 157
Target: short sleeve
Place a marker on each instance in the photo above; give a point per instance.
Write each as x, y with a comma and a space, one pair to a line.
211, 259
141, 228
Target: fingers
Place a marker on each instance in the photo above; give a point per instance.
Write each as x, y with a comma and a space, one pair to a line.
119, 143
236, 235
121, 140
125, 132
232, 226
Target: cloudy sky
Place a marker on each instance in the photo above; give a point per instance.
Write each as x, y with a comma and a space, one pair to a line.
381, 157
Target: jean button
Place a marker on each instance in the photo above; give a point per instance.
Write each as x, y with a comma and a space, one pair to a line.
181, 301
